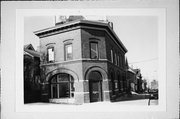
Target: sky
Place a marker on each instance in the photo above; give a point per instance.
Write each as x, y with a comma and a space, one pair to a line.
139, 34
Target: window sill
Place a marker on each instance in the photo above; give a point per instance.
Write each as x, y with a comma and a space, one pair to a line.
62, 100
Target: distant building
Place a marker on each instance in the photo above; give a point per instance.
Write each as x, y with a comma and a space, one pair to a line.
83, 61
144, 85
139, 81
154, 84
32, 89
131, 77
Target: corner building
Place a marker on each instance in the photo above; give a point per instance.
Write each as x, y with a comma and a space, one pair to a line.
83, 61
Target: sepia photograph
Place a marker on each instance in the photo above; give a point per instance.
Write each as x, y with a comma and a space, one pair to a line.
89, 59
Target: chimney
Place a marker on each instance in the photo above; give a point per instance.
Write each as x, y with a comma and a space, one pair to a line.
110, 24
78, 17
60, 19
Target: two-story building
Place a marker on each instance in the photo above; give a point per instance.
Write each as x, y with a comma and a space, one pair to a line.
83, 62
32, 86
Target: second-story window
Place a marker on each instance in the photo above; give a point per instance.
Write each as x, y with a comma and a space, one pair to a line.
115, 59
68, 52
94, 50
112, 56
50, 54
118, 60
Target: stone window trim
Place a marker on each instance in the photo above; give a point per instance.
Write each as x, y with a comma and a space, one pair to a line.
68, 41
94, 39
50, 44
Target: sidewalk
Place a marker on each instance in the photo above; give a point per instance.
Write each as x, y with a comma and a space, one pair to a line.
133, 96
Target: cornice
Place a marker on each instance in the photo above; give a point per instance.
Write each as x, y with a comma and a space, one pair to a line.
80, 24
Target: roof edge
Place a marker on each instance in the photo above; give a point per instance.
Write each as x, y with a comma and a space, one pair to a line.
43, 31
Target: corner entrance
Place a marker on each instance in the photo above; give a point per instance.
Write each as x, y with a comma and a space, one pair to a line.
95, 86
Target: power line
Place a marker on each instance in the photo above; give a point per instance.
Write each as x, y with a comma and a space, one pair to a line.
148, 60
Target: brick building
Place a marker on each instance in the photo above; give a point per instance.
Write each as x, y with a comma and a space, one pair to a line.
83, 61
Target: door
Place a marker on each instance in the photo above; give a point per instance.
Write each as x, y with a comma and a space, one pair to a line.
95, 91
95, 86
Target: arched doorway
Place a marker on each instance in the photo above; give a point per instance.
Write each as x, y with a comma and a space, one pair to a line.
95, 86
61, 86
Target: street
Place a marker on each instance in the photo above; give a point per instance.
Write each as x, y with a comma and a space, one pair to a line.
133, 99
138, 102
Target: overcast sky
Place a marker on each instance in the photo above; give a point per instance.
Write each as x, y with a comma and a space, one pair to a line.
139, 34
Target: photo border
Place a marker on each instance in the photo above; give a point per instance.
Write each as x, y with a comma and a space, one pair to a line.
21, 13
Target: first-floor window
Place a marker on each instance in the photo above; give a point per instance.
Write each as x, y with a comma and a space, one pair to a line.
62, 86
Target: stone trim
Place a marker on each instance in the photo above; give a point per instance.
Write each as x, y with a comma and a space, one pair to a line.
75, 60
62, 70
105, 91
81, 92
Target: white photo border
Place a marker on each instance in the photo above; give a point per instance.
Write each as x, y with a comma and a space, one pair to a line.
159, 12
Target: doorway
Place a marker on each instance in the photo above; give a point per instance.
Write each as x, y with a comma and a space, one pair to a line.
95, 86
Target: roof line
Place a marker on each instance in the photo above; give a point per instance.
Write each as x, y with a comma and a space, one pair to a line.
77, 22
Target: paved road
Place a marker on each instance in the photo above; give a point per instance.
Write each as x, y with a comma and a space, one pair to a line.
129, 102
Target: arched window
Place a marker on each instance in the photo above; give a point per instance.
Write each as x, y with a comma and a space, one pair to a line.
62, 86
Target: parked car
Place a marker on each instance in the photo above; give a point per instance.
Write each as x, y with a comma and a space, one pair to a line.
153, 94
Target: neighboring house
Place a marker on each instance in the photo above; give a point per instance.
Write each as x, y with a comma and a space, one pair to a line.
154, 84
131, 76
83, 61
144, 85
32, 89
139, 81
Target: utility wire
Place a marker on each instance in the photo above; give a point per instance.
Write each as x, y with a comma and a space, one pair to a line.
148, 60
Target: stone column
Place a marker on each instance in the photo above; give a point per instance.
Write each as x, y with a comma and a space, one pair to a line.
105, 90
